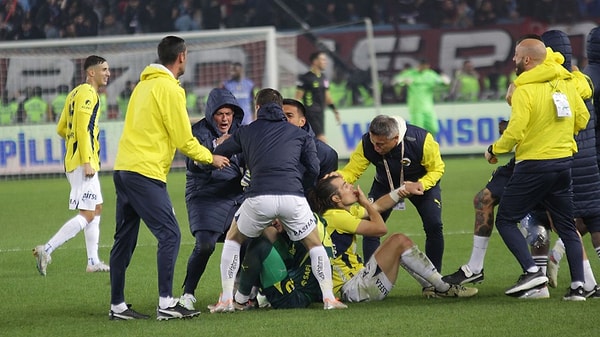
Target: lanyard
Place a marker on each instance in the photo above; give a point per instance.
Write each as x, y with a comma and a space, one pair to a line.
389, 174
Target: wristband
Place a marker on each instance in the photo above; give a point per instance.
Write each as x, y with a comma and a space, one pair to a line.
490, 151
332, 107
394, 194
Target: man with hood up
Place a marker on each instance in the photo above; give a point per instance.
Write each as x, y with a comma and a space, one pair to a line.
212, 196
586, 175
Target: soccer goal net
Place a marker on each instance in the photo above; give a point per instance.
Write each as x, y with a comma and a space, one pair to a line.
52, 66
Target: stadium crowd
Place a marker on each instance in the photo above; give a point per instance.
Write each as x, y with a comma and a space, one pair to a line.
51, 19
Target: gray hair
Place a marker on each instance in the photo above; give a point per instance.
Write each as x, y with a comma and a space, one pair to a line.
384, 125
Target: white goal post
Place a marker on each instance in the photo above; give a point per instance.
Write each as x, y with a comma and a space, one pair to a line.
270, 59
50, 63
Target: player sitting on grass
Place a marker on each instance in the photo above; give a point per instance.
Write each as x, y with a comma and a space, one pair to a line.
349, 213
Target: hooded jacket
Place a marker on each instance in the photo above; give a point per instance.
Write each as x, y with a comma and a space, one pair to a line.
156, 124
275, 152
211, 195
593, 71
584, 170
205, 180
537, 133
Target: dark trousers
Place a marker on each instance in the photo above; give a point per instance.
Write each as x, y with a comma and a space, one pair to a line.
524, 191
429, 207
203, 249
139, 197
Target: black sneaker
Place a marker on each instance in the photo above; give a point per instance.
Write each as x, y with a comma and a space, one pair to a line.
594, 293
126, 315
176, 311
575, 294
463, 275
527, 281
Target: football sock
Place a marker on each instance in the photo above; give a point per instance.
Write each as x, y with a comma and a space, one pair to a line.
541, 261
66, 232
92, 236
166, 302
230, 263
321, 269
597, 249
420, 264
118, 308
558, 251
590, 280
480, 244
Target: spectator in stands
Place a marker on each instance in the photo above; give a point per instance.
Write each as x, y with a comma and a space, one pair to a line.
111, 26
211, 14
184, 17
27, 31
485, 14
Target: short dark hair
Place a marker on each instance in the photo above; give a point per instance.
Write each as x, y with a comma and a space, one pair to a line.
169, 49
296, 103
315, 55
93, 60
268, 95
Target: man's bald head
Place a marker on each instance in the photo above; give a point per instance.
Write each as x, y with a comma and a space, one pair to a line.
529, 53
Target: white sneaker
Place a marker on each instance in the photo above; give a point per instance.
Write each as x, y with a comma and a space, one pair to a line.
187, 301
98, 267
42, 259
536, 293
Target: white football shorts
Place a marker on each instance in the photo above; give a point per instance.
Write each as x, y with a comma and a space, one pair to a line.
85, 192
294, 213
366, 286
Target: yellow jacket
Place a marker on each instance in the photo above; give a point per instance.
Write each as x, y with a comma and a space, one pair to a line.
156, 124
535, 131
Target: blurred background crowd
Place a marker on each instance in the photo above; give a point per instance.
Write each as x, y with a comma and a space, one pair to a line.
57, 19
39, 19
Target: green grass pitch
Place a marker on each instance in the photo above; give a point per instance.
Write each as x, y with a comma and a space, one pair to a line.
71, 302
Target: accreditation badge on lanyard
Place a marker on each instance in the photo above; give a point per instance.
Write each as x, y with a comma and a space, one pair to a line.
401, 205
561, 103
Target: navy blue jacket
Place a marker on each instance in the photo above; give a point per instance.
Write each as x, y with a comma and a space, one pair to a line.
328, 157
584, 168
210, 193
585, 172
275, 152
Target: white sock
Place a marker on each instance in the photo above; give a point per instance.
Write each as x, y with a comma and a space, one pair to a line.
230, 263
420, 265
166, 302
558, 251
66, 233
321, 268
118, 308
480, 244
542, 262
92, 236
590, 280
